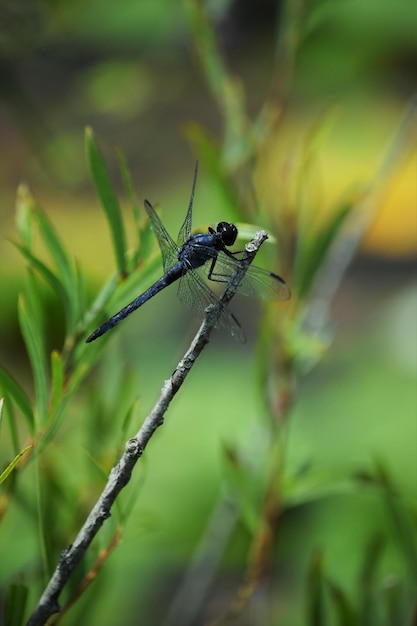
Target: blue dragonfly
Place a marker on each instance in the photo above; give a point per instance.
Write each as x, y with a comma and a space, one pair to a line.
192, 259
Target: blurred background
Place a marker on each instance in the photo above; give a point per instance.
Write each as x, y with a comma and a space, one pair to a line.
339, 81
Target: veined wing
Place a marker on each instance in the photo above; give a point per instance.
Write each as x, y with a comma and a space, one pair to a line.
257, 282
196, 295
260, 283
169, 248
185, 229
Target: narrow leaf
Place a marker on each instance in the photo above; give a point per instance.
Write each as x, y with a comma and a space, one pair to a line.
392, 593
136, 282
227, 91
55, 247
311, 253
100, 301
108, 199
12, 388
140, 231
211, 158
315, 600
57, 374
50, 278
367, 580
241, 484
246, 232
5, 473
127, 181
300, 490
344, 609
24, 214
14, 424
147, 244
81, 290
64, 265
113, 296
402, 521
36, 351
17, 596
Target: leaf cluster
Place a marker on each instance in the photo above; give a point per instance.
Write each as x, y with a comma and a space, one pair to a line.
59, 372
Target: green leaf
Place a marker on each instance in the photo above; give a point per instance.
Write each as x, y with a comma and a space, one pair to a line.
313, 487
25, 205
5, 473
12, 388
108, 199
141, 231
81, 290
241, 483
147, 244
100, 301
65, 268
65, 282
367, 580
57, 384
392, 593
226, 89
113, 296
67, 291
248, 231
128, 183
312, 249
401, 519
136, 282
56, 248
50, 278
210, 156
205, 146
344, 609
17, 596
33, 337
315, 597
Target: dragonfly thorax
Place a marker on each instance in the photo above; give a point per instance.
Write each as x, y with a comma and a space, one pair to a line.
228, 233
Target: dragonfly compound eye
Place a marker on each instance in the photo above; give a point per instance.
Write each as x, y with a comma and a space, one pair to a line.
228, 233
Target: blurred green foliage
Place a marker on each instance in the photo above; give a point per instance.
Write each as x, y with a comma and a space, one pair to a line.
297, 523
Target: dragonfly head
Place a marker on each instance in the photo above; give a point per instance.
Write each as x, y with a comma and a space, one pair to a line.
228, 233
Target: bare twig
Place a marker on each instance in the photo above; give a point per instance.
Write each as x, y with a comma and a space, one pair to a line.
89, 577
121, 473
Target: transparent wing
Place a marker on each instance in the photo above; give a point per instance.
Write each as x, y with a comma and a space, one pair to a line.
169, 249
260, 283
196, 295
257, 282
185, 229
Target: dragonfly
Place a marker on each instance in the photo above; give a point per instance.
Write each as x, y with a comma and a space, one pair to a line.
193, 259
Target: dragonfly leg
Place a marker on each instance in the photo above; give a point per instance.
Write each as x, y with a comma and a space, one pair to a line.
218, 277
